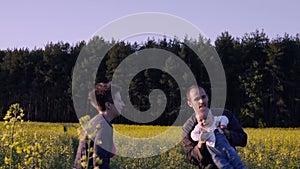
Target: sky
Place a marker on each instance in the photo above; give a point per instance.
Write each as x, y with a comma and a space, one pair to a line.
34, 23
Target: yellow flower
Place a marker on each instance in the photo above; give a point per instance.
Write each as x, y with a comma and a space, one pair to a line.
19, 150
7, 160
83, 164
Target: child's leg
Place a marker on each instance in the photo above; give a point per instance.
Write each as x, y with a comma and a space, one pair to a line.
234, 158
219, 157
231, 154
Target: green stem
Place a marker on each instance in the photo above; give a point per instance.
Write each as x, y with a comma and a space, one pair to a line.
11, 143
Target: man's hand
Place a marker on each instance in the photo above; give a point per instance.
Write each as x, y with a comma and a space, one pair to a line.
226, 132
204, 136
222, 127
200, 144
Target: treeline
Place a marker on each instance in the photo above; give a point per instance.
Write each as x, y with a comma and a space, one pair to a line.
262, 77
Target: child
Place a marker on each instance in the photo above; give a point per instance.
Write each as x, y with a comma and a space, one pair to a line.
209, 131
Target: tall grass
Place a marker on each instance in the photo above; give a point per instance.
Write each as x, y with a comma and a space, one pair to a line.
53, 145
272, 148
35, 145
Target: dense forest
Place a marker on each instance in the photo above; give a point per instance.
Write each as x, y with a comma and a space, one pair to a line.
262, 76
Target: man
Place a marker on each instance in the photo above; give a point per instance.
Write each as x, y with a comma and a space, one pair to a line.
197, 153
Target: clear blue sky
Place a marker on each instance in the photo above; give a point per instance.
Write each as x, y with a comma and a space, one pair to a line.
33, 23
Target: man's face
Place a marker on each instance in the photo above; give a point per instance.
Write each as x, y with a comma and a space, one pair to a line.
198, 99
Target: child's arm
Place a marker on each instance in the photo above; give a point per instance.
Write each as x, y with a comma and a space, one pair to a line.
222, 121
200, 134
195, 134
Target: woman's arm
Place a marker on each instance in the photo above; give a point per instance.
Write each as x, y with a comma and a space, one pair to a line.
102, 147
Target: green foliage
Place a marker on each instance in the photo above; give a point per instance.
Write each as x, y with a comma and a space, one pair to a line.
47, 145
24, 148
251, 83
10, 137
272, 148
266, 94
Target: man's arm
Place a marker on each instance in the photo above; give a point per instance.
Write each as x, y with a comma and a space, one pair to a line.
234, 131
197, 154
193, 154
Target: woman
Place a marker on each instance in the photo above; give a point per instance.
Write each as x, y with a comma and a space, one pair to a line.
98, 132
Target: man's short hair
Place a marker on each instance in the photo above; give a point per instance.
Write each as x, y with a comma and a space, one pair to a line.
190, 88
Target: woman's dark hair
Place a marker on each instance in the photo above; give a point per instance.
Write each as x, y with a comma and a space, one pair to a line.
103, 93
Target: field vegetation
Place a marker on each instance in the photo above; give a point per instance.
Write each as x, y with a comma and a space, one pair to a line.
53, 145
